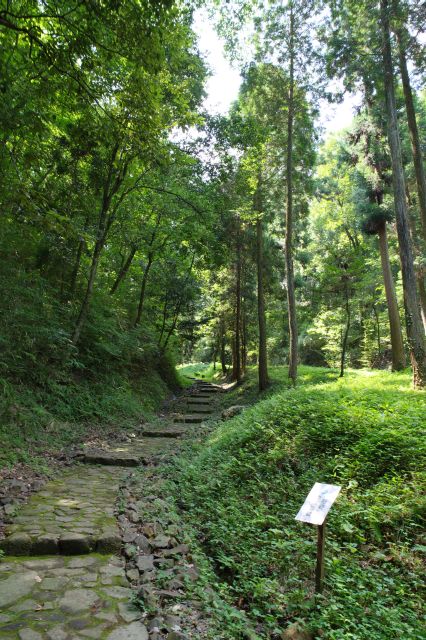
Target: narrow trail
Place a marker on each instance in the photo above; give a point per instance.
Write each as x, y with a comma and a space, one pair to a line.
63, 576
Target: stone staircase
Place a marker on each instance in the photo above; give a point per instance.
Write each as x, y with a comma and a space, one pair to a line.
62, 577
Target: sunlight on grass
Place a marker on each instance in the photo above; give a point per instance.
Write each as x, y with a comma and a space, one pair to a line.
242, 488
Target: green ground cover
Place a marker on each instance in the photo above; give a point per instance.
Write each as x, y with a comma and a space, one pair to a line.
241, 489
35, 419
201, 370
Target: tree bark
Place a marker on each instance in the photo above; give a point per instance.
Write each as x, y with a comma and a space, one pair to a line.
422, 296
412, 128
163, 324
236, 369
262, 353
415, 333
222, 346
88, 294
176, 313
291, 297
243, 338
347, 328
124, 269
376, 316
76, 267
143, 287
173, 326
398, 355
104, 223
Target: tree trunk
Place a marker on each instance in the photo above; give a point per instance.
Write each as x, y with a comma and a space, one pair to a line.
236, 369
173, 326
222, 346
215, 351
163, 324
412, 128
262, 354
415, 333
291, 297
398, 355
88, 294
346, 332
422, 296
243, 338
379, 345
124, 269
143, 288
76, 268
104, 223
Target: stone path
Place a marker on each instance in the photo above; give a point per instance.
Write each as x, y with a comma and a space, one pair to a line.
62, 594
63, 598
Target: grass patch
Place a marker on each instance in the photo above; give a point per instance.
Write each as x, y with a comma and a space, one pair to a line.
241, 489
201, 370
39, 419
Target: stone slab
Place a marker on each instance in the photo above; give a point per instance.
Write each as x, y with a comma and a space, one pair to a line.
68, 516
37, 603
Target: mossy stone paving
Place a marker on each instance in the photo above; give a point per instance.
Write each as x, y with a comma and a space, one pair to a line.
73, 514
67, 598
130, 454
58, 597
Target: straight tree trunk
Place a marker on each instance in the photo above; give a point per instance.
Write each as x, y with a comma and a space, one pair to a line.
412, 127
376, 316
243, 338
89, 290
215, 352
104, 223
398, 355
415, 333
143, 288
291, 297
223, 346
236, 370
76, 267
163, 324
175, 315
124, 269
172, 327
346, 332
262, 354
422, 296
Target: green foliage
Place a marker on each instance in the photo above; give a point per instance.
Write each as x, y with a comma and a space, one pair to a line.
243, 488
195, 370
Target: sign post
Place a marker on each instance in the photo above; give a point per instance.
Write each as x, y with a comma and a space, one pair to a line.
314, 511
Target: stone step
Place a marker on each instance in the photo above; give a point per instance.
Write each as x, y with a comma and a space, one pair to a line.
164, 432
189, 419
71, 515
197, 400
204, 395
209, 387
66, 544
112, 459
200, 408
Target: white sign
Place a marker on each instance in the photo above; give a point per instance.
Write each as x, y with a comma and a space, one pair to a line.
318, 503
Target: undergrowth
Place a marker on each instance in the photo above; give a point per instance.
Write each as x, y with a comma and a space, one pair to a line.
202, 370
242, 488
53, 394
40, 419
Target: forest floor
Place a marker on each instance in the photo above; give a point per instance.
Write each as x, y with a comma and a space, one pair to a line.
153, 535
